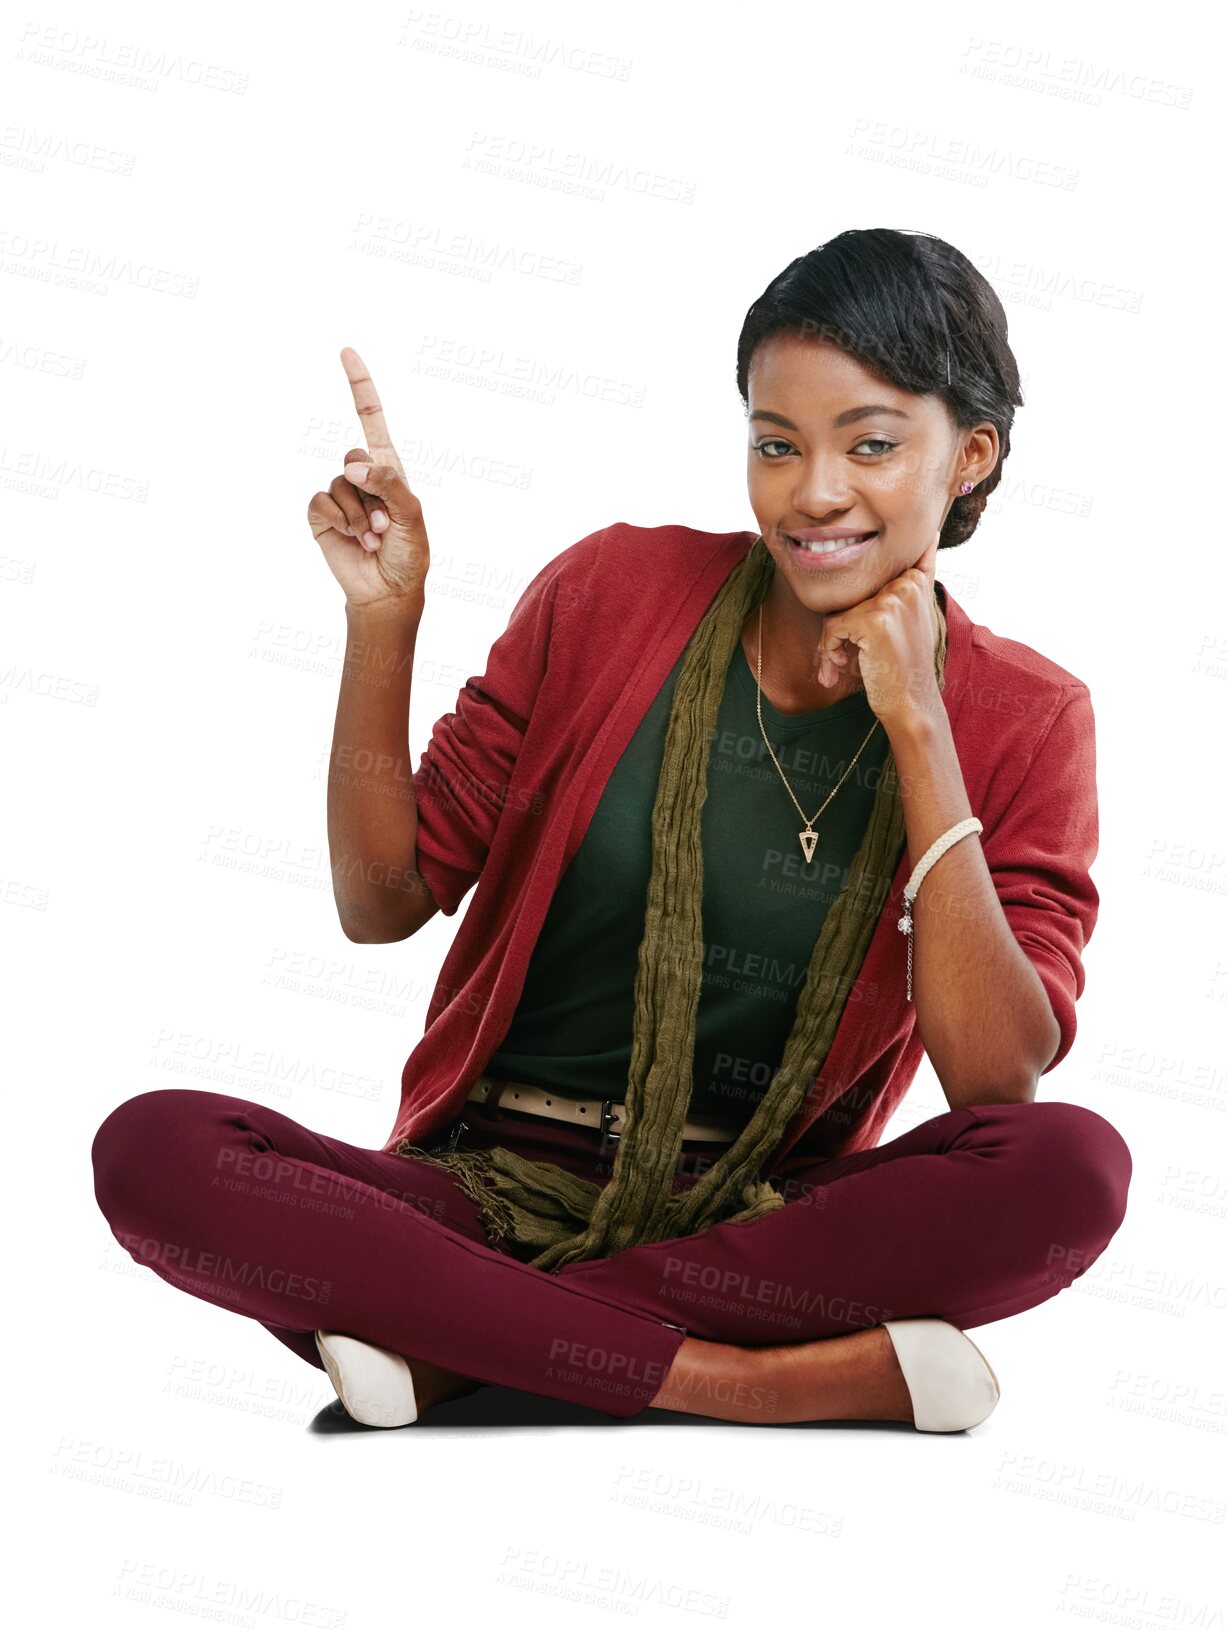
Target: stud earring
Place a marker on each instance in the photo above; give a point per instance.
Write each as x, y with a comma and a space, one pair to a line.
966, 487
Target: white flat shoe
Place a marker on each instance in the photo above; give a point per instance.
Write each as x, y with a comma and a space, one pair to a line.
375, 1386
951, 1383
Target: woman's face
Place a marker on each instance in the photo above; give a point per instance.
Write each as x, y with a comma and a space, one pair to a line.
833, 447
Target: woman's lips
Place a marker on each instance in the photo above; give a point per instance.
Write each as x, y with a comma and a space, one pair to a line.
826, 558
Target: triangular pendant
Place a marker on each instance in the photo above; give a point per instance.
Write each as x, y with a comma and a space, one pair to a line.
808, 841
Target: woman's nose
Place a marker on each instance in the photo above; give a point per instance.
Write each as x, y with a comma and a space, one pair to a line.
820, 490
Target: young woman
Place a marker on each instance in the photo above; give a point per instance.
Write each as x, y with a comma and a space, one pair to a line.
704, 781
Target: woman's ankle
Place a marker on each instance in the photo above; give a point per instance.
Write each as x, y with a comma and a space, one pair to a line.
719, 1380
433, 1385
852, 1377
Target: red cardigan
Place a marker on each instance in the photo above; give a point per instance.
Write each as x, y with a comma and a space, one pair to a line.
509, 781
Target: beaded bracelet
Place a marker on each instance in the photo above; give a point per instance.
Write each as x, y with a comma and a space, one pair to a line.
934, 852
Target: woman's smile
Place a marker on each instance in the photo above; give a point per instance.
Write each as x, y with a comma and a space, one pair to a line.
830, 555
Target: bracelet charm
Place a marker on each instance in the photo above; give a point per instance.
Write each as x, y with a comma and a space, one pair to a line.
936, 849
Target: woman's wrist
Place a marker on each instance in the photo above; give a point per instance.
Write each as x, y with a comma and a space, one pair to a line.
392, 611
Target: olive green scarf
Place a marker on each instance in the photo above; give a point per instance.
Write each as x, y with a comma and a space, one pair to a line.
552, 1216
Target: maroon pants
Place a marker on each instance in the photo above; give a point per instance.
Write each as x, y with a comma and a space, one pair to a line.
971, 1216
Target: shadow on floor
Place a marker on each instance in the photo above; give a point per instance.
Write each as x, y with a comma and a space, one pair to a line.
503, 1407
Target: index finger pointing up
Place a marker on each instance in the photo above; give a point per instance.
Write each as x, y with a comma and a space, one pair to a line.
370, 410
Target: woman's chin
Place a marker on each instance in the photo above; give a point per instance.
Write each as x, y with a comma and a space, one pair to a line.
826, 586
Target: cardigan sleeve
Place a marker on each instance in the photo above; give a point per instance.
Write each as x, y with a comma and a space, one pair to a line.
1040, 854
465, 775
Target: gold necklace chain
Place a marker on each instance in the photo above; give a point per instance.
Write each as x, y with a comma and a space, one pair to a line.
808, 837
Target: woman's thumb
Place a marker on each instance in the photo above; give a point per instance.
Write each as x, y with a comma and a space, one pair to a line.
382, 481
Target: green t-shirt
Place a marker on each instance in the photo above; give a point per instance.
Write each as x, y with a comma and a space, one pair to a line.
763, 905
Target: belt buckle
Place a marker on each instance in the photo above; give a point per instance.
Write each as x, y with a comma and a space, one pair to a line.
608, 1135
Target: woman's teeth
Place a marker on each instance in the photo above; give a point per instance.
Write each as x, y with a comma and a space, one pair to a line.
829, 548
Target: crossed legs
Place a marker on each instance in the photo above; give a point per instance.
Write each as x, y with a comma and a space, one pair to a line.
971, 1216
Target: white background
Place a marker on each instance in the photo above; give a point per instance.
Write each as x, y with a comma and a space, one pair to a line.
201, 208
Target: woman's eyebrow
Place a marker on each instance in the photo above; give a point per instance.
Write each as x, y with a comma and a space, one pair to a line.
850, 416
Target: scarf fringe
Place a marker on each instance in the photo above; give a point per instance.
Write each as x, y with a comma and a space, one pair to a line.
497, 1180
493, 1179
470, 1169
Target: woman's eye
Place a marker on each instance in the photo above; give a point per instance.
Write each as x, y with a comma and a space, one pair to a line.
880, 442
